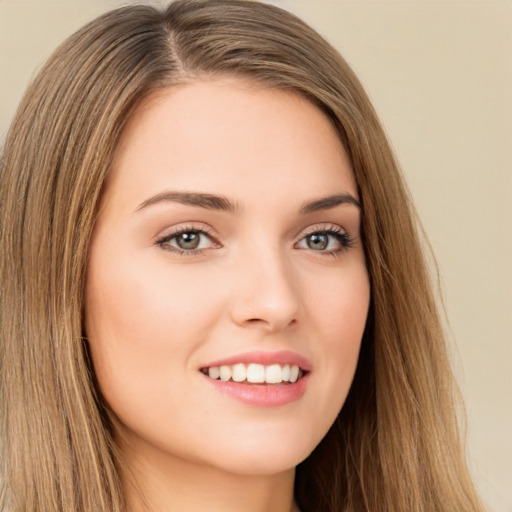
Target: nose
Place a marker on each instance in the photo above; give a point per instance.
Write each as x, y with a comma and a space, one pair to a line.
266, 294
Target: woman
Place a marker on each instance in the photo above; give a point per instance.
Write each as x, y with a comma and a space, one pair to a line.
213, 287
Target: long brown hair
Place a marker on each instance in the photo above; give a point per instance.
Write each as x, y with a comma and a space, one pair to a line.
394, 446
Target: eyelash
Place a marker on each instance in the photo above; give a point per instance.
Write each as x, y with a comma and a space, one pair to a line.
344, 239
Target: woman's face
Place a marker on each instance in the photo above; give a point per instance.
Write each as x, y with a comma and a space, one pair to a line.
228, 242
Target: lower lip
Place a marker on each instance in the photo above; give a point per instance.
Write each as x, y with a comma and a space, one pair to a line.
262, 395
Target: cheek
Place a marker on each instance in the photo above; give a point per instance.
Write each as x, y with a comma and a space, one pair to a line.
136, 300
340, 314
339, 304
142, 325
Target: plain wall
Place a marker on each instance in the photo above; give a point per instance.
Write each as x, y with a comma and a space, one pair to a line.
440, 76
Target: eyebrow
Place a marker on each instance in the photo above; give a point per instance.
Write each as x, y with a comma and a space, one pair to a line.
222, 203
326, 203
208, 201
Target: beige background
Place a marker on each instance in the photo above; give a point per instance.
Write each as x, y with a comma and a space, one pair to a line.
440, 75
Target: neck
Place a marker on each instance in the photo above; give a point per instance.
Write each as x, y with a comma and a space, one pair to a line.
170, 483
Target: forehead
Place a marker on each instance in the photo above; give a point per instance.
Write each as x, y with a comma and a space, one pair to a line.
233, 138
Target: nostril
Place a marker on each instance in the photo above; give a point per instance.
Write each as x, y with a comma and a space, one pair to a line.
257, 322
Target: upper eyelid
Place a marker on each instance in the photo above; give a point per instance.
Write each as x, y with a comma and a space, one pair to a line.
323, 227
185, 228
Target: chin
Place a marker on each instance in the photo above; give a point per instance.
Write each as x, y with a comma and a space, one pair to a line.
262, 463
261, 455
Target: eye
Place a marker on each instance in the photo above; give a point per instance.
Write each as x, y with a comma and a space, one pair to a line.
329, 241
187, 240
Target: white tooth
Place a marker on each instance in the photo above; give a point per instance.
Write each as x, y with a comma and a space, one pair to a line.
273, 374
225, 373
294, 373
286, 372
256, 373
239, 373
214, 372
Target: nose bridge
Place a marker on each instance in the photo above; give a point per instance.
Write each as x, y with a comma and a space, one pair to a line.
266, 291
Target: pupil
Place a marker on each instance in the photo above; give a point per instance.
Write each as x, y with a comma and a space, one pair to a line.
188, 240
318, 242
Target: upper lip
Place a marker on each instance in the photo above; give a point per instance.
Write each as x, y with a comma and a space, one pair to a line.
264, 358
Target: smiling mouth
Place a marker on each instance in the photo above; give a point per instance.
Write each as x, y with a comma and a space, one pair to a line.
256, 373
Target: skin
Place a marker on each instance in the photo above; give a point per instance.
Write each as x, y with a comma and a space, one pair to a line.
258, 281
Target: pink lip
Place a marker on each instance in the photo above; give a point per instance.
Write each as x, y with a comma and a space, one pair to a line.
263, 395
265, 358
